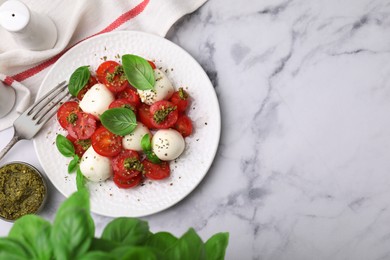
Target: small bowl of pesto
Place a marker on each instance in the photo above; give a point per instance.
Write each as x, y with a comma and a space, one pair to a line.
22, 190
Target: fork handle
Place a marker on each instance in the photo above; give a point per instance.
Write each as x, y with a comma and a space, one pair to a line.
11, 143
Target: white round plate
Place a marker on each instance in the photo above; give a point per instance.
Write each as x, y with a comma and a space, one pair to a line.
186, 172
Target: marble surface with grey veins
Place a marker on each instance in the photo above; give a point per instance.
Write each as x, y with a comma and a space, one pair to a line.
303, 166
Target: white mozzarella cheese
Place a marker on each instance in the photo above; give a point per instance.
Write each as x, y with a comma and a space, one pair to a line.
168, 144
132, 141
96, 100
94, 166
163, 89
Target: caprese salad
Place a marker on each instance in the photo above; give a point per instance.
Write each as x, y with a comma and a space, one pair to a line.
126, 122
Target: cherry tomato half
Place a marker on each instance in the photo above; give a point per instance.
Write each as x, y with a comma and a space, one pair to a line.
131, 94
127, 164
123, 102
80, 146
111, 74
164, 114
184, 125
65, 110
106, 143
82, 127
144, 116
156, 171
126, 184
180, 98
92, 81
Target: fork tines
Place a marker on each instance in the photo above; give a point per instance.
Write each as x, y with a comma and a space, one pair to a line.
42, 110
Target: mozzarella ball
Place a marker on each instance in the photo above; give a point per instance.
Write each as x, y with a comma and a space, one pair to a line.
94, 166
168, 144
96, 100
132, 141
163, 89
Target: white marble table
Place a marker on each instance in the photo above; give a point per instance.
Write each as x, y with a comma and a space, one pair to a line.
303, 167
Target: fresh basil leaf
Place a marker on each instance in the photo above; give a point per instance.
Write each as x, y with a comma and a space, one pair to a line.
97, 255
34, 233
146, 146
119, 120
140, 253
216, 246
162, 241
64, 146
145, 143
73, 163
138, 71
104, 245
13, 249
73, 227
136, 253
152, 157
80, 179
127, 231
189, 246
78, 80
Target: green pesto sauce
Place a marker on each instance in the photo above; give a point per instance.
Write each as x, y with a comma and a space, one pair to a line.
21, 191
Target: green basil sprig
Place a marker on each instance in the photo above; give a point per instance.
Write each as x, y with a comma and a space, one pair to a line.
78, 80
119, 120
138, 72
146, 146
66, 148
72, 236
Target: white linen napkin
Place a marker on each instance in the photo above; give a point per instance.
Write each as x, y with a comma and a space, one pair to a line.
75, 21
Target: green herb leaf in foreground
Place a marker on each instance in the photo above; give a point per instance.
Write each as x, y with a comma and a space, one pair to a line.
162, 241
119, 121
78, 80
64, 146
34, 233
138, 71
13, 249
146, 146
127, 231
136, 253
216, 246
189, 246
72, 237
73, 228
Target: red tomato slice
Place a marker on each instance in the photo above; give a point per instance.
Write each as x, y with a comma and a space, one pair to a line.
144, 116
126, 184
106, 143
164, 114
132, 95
180, 98
127, 164
83, 126
65, 110
123, 102
80, 146
92, 81
184, 125
156, 171
111, 74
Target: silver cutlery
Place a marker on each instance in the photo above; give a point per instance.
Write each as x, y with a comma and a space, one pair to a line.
28, 124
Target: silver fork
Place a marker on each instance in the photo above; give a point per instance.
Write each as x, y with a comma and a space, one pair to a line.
28, 124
